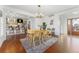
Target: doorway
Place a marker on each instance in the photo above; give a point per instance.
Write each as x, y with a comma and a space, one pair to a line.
73, 34
73, 26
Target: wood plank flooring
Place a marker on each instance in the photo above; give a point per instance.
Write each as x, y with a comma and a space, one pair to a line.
69, 45
66, 45
56, 48
12, 46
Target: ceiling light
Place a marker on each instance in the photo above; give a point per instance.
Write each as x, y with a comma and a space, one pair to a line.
39, 14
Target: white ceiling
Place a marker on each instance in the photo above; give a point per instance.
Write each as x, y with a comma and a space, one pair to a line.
45, 9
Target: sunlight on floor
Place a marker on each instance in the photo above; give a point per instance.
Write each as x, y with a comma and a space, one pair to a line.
73, 43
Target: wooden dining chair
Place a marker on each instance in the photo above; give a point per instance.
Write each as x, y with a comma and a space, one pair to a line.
37, 38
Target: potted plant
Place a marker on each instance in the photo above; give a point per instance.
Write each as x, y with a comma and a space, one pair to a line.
44, 25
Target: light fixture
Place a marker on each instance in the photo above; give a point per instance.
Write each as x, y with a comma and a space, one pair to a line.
39, 14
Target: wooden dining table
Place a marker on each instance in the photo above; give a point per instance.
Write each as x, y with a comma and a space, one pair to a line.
40, 34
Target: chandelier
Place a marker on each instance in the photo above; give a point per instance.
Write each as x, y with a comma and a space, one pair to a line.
39, 14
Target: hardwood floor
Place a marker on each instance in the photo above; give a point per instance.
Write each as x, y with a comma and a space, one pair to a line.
56, 48
69, 44
12, 46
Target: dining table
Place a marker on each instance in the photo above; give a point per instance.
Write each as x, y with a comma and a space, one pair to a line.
37, 35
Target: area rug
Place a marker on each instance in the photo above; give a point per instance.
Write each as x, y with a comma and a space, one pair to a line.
38, 49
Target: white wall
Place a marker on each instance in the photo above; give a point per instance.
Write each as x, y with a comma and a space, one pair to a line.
63, 24
57, 24
3, 26
38, 21
60, 24
2, 31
